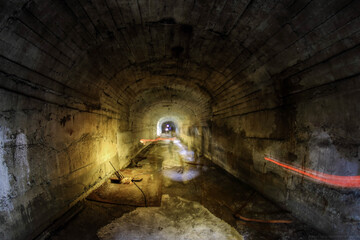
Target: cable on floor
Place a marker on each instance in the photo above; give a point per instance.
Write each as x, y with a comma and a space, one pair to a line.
142, 193
260, 220
256, 220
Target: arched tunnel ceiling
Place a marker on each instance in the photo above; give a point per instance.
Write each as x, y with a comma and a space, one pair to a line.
160, 111
192, 101
227, 55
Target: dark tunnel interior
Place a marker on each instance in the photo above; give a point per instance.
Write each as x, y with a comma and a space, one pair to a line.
168, 127
240, 116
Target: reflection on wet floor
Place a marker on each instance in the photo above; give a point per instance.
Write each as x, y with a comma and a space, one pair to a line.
195, 179
176, 165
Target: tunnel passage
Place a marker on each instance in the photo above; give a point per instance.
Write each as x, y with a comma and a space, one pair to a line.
267, 90
168, 128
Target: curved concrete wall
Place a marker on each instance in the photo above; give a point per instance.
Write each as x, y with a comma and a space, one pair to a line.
81, 82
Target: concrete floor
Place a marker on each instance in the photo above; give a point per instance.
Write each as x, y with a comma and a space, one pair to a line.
204, 183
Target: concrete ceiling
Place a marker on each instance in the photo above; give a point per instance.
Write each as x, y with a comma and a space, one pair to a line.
212, 58
82, 81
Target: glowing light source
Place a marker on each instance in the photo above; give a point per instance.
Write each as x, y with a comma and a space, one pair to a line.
174, 168
187, 174
334, 180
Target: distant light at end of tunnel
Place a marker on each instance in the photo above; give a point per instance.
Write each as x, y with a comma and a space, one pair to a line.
334, 180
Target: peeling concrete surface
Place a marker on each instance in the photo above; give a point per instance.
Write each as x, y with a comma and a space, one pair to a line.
5, 189
325, 157
51, 157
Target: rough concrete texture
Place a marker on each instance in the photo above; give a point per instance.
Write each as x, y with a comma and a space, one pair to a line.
177, 218
51, 156
217, 195
81, 82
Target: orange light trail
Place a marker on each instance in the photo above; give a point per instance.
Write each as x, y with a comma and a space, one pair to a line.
143, 141
260, 220
335, 180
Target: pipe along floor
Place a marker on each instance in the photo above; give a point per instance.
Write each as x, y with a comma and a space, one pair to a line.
186, 198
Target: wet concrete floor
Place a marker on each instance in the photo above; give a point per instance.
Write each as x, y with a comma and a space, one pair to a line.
194, 179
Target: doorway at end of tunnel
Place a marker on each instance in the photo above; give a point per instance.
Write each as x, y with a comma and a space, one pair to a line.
168, 127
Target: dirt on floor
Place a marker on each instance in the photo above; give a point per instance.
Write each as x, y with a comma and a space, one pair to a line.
177, 218
199, 201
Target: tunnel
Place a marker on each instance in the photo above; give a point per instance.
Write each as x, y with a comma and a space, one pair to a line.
168, 128
260, 99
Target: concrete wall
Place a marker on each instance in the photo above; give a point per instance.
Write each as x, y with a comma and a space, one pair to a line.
318, 130
249, 78
50, 157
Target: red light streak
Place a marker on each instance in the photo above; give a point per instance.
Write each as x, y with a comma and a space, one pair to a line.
335, 180
143, 141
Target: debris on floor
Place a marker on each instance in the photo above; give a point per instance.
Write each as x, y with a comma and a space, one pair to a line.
212, 197
126, 180
129, 194
177, 218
